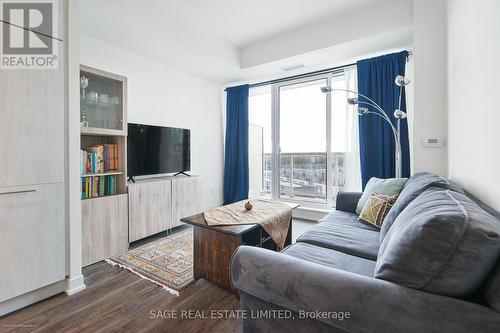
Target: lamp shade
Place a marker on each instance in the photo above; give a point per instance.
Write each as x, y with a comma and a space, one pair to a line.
402, 81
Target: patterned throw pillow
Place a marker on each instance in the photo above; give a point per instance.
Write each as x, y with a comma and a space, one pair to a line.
376, 208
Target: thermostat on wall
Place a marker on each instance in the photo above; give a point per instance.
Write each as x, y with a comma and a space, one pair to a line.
432, 142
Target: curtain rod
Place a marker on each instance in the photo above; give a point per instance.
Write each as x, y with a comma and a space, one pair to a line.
299, 76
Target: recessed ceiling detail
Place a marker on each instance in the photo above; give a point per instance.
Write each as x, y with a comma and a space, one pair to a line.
226, 40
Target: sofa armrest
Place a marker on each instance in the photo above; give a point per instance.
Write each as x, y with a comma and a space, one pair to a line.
347, 201
374, 305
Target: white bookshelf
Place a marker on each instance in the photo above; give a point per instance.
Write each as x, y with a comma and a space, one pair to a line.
103, 107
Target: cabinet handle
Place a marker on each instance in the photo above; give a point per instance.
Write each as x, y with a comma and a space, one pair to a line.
18, 192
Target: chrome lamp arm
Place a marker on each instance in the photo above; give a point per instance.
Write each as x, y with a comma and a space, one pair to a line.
381, 113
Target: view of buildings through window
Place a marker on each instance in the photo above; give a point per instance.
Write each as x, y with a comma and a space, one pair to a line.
303, 131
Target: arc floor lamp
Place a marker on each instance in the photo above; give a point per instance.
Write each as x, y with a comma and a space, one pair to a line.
400, 81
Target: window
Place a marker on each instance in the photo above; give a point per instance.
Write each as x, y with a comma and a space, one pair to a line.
303, 143
260, 142
302, 129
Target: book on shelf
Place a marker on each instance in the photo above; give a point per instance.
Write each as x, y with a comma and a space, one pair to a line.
99, 159
98, 186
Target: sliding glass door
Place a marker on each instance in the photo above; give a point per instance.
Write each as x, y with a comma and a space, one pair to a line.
302, 139
303, 143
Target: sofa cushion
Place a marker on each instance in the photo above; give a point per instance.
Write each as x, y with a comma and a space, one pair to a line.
490, 292
347, 219
331, 258
415, 185
346, 235
442, 242
389, 186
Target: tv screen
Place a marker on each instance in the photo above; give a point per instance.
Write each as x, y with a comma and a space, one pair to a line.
155, 150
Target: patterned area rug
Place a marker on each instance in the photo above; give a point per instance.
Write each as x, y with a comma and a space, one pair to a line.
167, 262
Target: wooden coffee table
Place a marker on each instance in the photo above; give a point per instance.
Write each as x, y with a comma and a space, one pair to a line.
213, 246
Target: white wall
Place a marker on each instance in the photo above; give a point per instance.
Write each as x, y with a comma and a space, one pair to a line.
474, 114
429, 84
161, 95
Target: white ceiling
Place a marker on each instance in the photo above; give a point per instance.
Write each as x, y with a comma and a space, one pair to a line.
207, 37
242, 22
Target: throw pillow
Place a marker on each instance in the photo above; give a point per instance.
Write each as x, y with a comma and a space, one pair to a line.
389, 186
376, 208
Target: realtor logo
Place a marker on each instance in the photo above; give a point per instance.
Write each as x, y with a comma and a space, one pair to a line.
29, 34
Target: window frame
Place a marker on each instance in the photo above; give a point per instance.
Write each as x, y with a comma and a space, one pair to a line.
276, 146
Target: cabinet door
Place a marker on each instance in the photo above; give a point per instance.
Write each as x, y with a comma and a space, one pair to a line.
104, 228
185, 198
150, 208
31, 238
104, 100
32, 126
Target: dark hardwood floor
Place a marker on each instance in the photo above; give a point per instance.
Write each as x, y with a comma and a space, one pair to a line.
116, 300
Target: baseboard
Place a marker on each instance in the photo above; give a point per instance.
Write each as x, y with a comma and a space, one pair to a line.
31, 297
74, 285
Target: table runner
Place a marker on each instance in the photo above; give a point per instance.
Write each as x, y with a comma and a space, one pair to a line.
273, 216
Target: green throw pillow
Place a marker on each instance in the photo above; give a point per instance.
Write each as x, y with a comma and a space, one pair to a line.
376, 208
389, 186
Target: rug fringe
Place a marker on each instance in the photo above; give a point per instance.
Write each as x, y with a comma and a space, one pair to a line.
168, 289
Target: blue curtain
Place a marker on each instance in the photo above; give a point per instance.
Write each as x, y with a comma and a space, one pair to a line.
376, 141
236, 154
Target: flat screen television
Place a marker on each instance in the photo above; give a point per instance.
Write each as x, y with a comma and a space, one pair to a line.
156, 150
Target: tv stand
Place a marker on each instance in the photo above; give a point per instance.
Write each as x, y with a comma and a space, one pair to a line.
158, 204
131, 178
182, 173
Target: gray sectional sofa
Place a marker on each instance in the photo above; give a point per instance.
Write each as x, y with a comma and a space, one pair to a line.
433, 267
